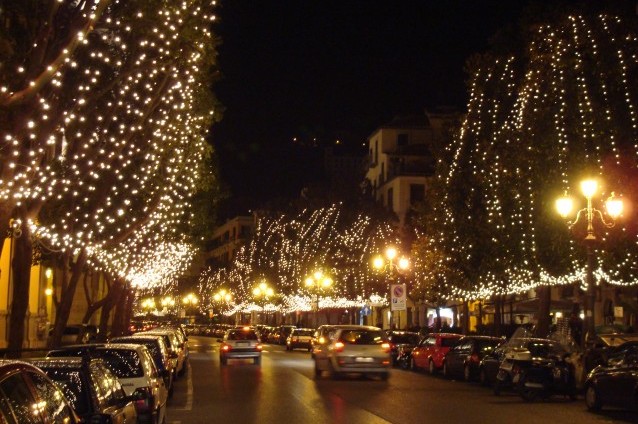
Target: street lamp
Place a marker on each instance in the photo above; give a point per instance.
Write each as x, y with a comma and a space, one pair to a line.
391, 264
614, 207
262, 292
148, 305
190, 300
317, 283
167, 302
222, 297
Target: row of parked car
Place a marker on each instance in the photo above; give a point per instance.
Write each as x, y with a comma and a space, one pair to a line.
606, 373
127, 380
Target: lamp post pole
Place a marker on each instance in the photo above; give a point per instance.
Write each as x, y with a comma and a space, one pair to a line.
222, 297
390, 264
317, 282
614, 208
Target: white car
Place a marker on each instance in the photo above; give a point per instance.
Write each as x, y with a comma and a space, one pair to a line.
174, 345
134, 367
353, 349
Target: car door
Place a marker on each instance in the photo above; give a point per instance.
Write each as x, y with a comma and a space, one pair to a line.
55, 408
321, 349
456, 356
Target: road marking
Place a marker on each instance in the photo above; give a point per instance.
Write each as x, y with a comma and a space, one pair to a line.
189, 392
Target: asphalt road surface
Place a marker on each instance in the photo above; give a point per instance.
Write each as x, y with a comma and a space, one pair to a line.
284, 390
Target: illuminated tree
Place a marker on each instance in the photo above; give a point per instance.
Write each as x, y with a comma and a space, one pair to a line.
105, 105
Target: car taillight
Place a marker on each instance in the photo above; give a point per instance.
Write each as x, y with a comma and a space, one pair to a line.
474, 358
386, 347
516, 369
144, 400
339, 347
225, 347
259, 347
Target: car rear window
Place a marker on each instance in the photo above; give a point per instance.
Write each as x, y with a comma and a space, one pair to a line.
302, 332
242, 335
123, 363
72, 386
362, 337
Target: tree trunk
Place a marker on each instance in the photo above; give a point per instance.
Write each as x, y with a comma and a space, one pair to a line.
66, 299
498, 315
437, 321
119, 320
21, 267
113, 297
544, 303
466, 317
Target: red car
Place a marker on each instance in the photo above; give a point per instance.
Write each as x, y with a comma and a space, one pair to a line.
430, 352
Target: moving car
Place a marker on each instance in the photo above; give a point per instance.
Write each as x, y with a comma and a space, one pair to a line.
614, 383
240, 343
299, 338
430, 351
353, 349
90, 387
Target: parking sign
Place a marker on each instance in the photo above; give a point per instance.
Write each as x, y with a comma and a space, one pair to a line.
397, 297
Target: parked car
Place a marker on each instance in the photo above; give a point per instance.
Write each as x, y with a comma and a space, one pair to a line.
158, 350
430, 351
604, 344
353, 349
401, 339
174, 345
90, 387
299, 338
614, 383
464, 358
135, 368
25, 389
182, 340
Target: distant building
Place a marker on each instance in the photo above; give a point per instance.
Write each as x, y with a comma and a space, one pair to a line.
228, 238
401, 161
344, 171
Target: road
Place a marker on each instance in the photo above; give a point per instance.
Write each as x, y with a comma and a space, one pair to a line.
283, 390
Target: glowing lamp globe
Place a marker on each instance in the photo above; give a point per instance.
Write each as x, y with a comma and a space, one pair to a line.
589, 188
564, 206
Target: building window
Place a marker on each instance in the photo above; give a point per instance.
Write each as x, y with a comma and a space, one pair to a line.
402, 140
417, 193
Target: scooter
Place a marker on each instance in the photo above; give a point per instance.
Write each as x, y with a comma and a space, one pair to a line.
510, 368
545, 378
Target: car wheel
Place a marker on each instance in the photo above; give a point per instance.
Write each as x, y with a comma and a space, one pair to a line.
257, 360
431, 367
446, 371
467, 373
592, 400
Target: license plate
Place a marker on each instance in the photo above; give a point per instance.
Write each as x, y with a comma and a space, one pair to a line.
364, 359
242, 343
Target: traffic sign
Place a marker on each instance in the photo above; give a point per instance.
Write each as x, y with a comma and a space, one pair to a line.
397, 297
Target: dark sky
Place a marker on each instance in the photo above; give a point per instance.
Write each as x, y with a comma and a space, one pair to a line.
335, 70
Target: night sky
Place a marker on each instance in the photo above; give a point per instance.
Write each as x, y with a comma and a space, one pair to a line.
329, 70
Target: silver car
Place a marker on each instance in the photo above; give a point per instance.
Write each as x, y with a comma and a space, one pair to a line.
353, 349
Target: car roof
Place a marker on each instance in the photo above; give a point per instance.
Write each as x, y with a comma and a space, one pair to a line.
445, 335
355, 327
59, 362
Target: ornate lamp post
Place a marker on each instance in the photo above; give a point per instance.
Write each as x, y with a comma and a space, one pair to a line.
262, 293
148, 305
391, 264
167, 302
190, 300
317, 283
614, 207
222, 297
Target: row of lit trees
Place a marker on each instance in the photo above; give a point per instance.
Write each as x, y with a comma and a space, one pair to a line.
102, 123
548, 106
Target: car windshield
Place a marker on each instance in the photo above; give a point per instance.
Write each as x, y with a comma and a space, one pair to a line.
72, 386
449, 341
242, 335
362, 337
405, 338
